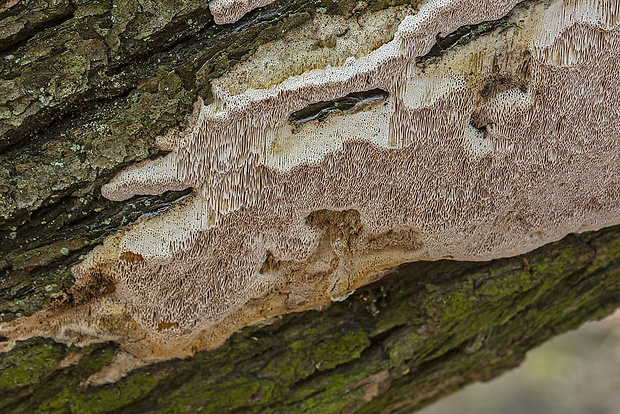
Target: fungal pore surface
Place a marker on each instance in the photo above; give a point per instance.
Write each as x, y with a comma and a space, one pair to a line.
229, 11
309, 183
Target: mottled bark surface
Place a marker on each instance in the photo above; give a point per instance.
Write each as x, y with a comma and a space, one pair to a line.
85, 87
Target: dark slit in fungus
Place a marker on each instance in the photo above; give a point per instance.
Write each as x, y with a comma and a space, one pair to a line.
353, 102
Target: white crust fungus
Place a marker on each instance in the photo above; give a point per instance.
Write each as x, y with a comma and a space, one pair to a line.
502, 145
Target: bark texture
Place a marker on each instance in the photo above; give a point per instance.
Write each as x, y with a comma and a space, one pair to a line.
85, 87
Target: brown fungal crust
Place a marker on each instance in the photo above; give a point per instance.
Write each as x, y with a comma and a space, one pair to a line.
503, 145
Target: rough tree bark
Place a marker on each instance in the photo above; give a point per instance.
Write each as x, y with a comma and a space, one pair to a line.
85, 89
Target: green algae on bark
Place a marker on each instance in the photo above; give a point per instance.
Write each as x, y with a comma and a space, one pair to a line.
433, 328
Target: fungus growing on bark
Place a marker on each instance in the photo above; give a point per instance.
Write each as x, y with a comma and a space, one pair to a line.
503, 145
229, 11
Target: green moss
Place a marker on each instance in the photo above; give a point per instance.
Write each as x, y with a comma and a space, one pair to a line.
445, 306
550, 267
109, 398
403, 346
512, 282
517, 278
339, 389
61, 402
232, 393
28, 364
339, 349
293, 365
74, 398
